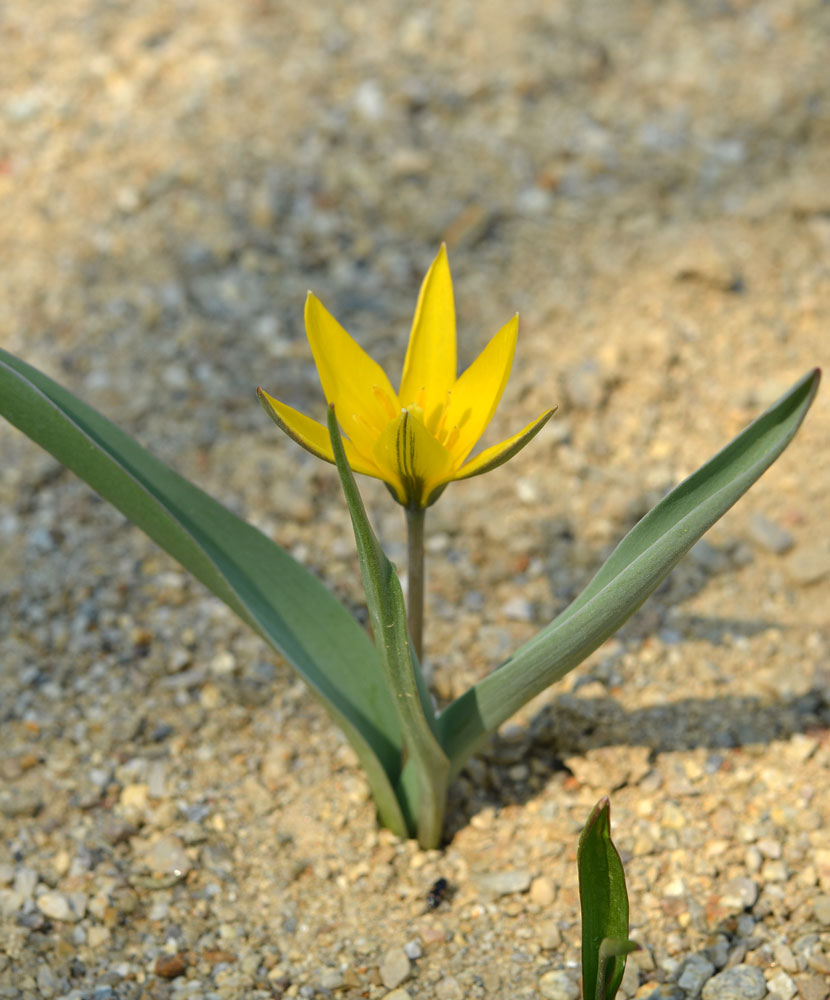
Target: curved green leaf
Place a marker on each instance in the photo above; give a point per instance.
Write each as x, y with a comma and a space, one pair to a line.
257, 579
424, 794
632, 572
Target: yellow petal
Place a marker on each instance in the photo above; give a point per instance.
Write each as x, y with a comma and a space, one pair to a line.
355, 384
430, 366
411, 461
313, 436
477, 392
498, 454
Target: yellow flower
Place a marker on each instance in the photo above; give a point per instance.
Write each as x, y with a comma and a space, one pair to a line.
417, 440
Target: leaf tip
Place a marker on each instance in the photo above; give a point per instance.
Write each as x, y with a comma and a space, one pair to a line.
601, 811
600, 817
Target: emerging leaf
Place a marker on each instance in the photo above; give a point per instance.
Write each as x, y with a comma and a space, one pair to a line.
604, 902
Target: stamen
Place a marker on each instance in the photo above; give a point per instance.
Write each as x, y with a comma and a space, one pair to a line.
438, 417
416, 411
385, 401
451, 441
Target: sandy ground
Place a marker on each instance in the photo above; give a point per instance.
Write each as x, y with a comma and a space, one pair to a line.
648, 185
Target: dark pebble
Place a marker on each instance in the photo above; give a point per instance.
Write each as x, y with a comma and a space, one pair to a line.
171, 966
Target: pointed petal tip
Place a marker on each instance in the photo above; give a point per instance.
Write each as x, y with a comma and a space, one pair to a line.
312, 302
431, 358
498, 454
443, 255
262, 396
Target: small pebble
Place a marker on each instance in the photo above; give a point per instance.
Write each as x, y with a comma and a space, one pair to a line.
770, 848
739, 894
784, 957
69, 907
542, 890
517, 609
167, 856
782, 985
331, 979
134, 797
413, 949
696, 970
97, 936
630, 981
503, 883
171, 966
821, 909
394, 968
10, 902
223, 663
741, 982
25, 880
558, 985
774, 871
718, 951
448, 988
549, 935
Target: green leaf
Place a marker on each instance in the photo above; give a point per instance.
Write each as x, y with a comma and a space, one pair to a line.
604, 902
259, 581
424, 789
633, 571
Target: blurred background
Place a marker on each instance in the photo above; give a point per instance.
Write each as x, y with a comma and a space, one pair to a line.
174, 176
646, 183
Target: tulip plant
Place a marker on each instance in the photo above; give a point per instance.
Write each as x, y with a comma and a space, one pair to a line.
417, 441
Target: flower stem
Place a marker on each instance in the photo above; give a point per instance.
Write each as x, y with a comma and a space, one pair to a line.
415, 517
